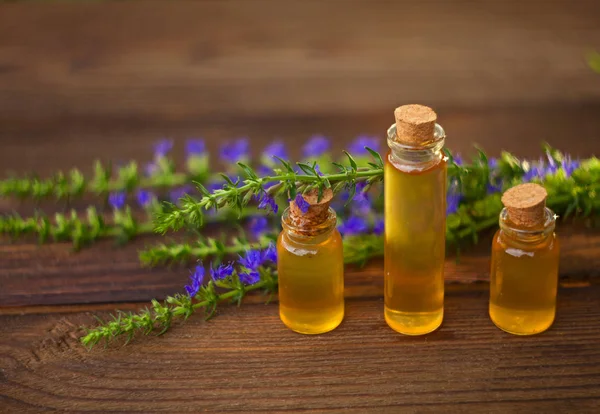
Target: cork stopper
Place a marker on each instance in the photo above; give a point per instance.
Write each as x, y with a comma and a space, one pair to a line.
415, 124
526, 204
317, 213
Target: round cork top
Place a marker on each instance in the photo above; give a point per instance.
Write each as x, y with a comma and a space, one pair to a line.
526, 204
318, 211
415, 124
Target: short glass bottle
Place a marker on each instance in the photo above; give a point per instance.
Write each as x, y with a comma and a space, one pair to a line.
310, 266
415, 232
524, 276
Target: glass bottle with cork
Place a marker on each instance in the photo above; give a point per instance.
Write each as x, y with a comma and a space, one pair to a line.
525, 255
415, 222
310, 265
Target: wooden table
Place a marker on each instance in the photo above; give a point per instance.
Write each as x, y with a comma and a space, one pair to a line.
81, 82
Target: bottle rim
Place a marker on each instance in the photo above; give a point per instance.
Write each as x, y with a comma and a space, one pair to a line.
306, 233
528, 233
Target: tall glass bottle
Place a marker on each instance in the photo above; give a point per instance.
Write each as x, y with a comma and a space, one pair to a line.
415, 222
524, 271
310, 266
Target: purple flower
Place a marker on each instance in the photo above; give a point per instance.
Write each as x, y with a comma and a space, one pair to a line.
117, 200
552, 166
214, 185
354, 225
150, 169
270, 254
177, 193
275, 149
194, 147
318, 170
536, 170
569, 165
235, 151
316, 146
493, 163
264, 171
267, 202
301, 203
249, 277
252, 261
162, 147
379, 226
221, 272
494, 186
457, 159
144, 197
357, 147
258, 226
453, 198
197, 277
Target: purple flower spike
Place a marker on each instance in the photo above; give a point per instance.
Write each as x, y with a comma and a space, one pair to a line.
453, 198
354, 225
301, 203
144, 197
150, 169
221, 272
275, 149
236, 151
536, 170
117, 200
569, 165
258, 226
252, 260
357, 147
197, 277
194, 147
250, 277
162, 147
267, 202
379, 226
316, 146
270, 254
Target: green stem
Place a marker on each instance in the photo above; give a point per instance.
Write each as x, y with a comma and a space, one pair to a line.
482, 225
231, 294
175, 180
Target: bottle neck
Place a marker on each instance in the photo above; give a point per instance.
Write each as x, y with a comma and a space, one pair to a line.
531, 236
410, 157
301, 233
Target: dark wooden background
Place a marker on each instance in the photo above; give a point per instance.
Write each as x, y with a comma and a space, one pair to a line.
80, 81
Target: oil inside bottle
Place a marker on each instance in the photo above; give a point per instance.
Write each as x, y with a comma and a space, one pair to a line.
415, 229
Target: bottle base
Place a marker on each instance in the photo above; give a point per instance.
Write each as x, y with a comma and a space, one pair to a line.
413, 323
314, 327
519, 322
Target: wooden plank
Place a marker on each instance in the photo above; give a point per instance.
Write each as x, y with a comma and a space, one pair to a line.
54, 275
183, 59
246, 360
39, 147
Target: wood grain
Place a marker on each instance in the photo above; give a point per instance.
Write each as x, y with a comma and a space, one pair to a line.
54, 275
178, 59
246, 360
81, 81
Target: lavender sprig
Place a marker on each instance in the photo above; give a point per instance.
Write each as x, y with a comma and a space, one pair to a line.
201, 249
207, 297
70, 227
238, 194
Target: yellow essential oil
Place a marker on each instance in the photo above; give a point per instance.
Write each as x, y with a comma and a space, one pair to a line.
524, 274
310, 266
415, 227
